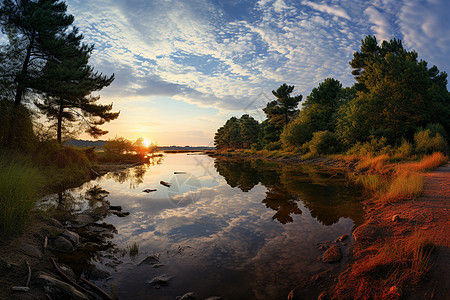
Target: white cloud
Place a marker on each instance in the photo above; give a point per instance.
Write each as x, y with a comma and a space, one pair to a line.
332, 10
381, 27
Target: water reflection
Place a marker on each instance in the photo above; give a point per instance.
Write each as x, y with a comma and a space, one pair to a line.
253, 226
328, 196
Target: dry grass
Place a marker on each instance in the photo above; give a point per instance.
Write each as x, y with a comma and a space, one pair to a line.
403, 187
374, 165
427, 163
400, 263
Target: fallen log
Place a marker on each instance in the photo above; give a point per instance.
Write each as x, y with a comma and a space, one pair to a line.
149, 190
69, 280
165, 183
29, 273
102, 292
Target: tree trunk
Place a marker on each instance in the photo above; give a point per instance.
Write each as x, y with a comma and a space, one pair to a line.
60, 117
20, 79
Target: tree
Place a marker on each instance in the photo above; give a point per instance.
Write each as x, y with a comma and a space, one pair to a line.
66, 84
237, 133
284, 108
397, 94
319, 113
38, 23
249, 130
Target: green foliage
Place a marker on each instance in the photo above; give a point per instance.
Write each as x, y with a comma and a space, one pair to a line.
375, 146
23, 139
273, 146
428, 142
118, 145
19, 183
318, 113
397, 94
237, 133
324, 142
284, 108
405, 149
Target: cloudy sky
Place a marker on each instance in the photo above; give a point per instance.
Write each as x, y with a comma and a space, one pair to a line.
184, 67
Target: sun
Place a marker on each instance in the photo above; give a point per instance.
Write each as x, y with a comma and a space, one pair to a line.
146, 143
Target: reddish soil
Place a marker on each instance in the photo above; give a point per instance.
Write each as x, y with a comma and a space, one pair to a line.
428, 216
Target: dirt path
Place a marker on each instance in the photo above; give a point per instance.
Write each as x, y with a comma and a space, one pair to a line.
433, 209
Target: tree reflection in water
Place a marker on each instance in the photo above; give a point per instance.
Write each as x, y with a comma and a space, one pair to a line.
328, 197
135, 175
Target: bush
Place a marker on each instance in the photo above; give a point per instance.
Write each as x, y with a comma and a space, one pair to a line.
374, 147
428, 142
324, 142
405, 150
294, 135
273, 146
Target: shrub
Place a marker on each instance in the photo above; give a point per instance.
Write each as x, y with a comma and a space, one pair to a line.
428, 142
324, 142
273, 146
294, 134
373, 147
404, 150
19, 182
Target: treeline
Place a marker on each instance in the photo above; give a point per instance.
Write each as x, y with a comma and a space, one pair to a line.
397, 104
45, 75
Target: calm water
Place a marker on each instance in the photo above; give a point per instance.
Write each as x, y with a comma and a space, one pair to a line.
235, 229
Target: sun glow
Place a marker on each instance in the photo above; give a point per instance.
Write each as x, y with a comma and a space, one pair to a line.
146, 143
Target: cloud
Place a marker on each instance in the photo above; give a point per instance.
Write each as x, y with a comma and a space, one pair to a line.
425, 27
381, 27
332, 10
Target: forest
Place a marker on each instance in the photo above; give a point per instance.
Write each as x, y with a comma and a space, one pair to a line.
398, 105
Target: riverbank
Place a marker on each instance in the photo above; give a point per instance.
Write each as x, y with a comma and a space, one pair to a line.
35, 246
402, 249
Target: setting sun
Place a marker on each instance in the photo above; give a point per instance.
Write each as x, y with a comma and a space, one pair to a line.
146, 142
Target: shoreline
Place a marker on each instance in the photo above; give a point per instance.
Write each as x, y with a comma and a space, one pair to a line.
333, 282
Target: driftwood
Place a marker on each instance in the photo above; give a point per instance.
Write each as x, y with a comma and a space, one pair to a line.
95, 173
179, 172
69, 280
25, 288
149, 190
115, 207
45, 242
102, 292
29, 273
165, 183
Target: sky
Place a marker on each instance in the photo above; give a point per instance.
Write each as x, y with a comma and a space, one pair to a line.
183, 68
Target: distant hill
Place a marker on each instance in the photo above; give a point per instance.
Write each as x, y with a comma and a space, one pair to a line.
85, 143
99, 144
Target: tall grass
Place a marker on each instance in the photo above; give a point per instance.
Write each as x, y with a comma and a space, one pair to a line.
428, 162
404, 187
19, 183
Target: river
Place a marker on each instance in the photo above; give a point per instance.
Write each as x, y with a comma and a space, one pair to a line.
237, 229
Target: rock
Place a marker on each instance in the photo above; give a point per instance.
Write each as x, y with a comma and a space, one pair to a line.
150, 260
120, 214
367, 234
59, 289
334, 254
96, 274
187, 296
31, 250
115, 207
395, 218
160, 281
68, 271
323, 296
62, 244
55, 223
71, 236
343, 237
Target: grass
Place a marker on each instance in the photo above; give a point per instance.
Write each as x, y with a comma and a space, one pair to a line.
133, 250
400, 263
427, 163
403, 187
19, 183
